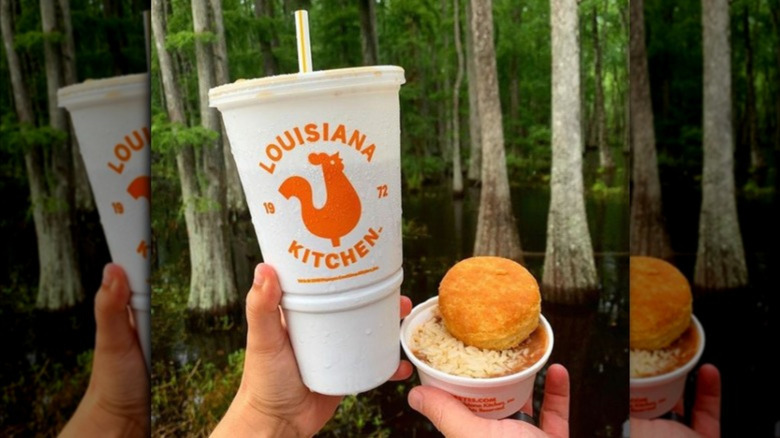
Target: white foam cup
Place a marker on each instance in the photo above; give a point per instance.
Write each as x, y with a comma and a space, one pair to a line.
654, 396
111, 122
493, 398
346, 343
319, 158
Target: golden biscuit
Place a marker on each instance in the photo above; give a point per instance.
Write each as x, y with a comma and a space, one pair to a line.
489, 302
661, 303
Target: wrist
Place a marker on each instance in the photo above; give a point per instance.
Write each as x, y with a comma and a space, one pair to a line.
93, 419
245, 418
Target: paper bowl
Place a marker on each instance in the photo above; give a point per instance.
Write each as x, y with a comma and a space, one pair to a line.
654, 396
495, 397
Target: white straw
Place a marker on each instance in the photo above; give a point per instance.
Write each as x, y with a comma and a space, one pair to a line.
304, 44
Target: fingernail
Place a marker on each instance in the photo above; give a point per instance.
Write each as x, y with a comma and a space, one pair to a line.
108, 279
259, 279
415, 399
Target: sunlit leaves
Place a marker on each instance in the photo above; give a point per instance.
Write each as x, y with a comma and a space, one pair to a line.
169, 137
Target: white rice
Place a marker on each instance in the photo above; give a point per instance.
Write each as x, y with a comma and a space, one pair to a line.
646, 363
434, 345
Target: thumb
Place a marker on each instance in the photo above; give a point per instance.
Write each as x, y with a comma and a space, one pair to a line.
450, 416
266, 335
114, 333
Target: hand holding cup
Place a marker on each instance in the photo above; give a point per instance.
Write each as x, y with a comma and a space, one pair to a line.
272, 396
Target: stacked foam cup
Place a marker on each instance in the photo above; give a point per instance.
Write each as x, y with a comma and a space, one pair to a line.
318, 155
111, 121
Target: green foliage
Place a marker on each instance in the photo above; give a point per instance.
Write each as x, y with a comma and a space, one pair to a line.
18, 138
33, 40
530, 165
358, 415
601, 190
169, 136
417, 171
186, 39
410, 229
16, 296
204, 204
191, 399
751, 190
45, 396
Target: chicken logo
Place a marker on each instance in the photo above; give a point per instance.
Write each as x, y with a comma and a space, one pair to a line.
140, 187
341, 211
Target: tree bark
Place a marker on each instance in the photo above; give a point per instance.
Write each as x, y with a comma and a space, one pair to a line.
236, 202
219, 48
496, 226
569, 269
212, 285
264, 10
59, 282
514, 102
720, 258
774, 11
368, 34
53, 63
648, 228
112, 10
515, 128
54, 221
440, 88
626, 129
756, 157
475, 147
82, 190
605, 155
457, 172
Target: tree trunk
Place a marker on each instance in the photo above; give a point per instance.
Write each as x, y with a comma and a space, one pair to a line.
475, 148
496, 227
22, 101
59, 282
648, 230
720, 259
457, 172
112, 12
514, 127
264, 10
625, 27
212, 285
236, 202
514, 103
605, 155
774, 10
53, 63
368, 34
82, 190
569, 269
441, 88
221, 71
756, 157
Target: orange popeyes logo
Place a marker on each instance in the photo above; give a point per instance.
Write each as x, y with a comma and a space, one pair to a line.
140, 187
341, 211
